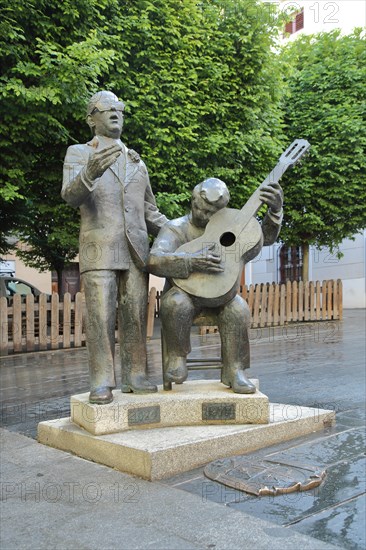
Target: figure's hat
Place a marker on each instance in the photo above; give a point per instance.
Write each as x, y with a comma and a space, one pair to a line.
214, 191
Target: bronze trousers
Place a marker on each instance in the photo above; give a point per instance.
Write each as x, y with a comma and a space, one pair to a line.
104, 290
177, 312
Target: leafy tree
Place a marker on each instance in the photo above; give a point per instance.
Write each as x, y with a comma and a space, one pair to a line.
200, 81
326, 104
48, 71
202, 89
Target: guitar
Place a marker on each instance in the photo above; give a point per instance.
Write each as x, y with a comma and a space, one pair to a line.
235, 234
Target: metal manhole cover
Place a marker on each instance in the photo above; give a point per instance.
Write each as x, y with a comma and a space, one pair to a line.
263, 478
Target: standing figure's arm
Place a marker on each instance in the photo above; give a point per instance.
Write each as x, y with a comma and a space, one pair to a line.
82, 171
153, 217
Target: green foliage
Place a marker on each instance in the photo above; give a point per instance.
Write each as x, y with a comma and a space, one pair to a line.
201, 85
325, 198
202, 91
172, 203
48, 72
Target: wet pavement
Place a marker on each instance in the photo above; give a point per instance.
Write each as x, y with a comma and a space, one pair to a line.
321, 365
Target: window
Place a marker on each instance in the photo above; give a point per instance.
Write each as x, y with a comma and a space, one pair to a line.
296, 24
290, 263
20, 288
17, 286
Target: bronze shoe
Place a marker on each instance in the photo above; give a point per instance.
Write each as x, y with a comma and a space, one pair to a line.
101, 396
237, 380
177, 371
138, 384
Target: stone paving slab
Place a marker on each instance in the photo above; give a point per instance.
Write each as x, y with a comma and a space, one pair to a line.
331, 512
339, 524
56, 500
327, 450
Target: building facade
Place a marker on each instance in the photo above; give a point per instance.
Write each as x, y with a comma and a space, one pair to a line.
278, 263
274, 266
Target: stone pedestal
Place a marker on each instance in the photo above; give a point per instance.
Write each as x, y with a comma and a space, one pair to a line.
162, 452
194, 403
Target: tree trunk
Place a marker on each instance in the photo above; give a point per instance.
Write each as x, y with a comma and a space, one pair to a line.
305, 262
60, 281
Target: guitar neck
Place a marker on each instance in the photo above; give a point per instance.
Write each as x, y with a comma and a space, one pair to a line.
254, 203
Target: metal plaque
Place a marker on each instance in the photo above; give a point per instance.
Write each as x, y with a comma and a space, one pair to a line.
218, 411
144, 415
264, 478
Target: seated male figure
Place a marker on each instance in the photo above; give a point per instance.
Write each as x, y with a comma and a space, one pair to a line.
178, 308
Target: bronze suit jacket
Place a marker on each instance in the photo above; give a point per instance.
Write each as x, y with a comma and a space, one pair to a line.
117, 211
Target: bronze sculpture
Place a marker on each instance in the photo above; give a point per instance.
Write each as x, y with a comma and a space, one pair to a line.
110, 185
175, 255
202, 255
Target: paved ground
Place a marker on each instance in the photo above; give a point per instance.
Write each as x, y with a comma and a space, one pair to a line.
52, 499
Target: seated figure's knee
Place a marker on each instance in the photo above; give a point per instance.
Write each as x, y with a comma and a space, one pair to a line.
236, 313
245, 311
176, 301
241, 308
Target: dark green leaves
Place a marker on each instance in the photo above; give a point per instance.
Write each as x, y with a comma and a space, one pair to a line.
201, 84
325, 197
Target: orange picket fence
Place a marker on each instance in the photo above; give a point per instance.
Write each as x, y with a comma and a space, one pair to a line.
272, 304
44, 323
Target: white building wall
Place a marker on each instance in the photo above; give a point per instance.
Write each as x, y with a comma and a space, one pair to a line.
350, 268
323, 265
264, 268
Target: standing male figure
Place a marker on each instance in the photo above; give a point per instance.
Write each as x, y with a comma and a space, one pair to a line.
110, 185
178, 308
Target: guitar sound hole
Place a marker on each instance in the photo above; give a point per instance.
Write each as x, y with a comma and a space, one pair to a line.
227, 239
